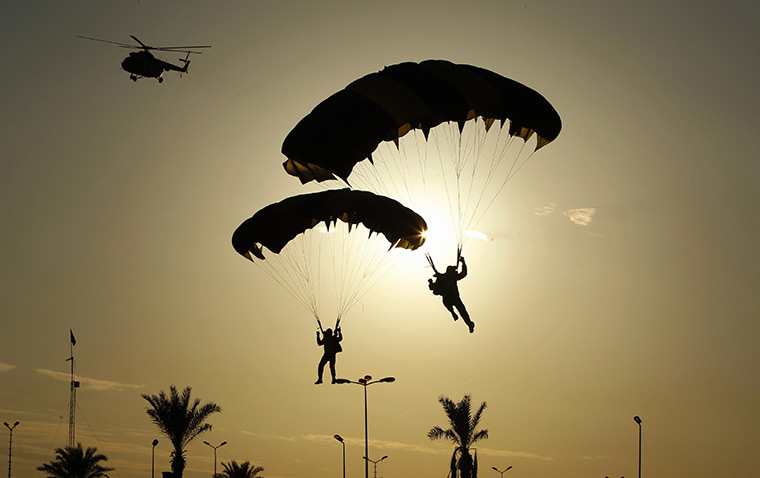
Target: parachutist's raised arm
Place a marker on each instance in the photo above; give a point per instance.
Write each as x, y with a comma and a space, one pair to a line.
462, 274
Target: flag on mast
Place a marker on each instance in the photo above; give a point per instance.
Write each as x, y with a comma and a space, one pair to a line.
73, 340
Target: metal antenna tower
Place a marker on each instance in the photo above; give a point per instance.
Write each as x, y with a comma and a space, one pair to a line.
72, 394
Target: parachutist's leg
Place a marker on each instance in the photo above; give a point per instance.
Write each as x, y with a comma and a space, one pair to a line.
321, 368
450, 307
465, 316
332, 367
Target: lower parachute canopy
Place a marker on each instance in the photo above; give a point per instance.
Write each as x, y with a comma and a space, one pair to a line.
334, 240
277, 224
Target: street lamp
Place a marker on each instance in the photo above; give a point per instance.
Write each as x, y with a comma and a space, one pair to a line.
10, 445
365, 381
153, 459
340, 439
502, 472
375, 462
215, 447
638, 420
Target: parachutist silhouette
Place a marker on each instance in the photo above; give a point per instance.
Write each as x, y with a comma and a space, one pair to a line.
445, 285
331, 344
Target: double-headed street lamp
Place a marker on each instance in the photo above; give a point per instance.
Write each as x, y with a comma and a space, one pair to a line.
215, 447
10, 445
365, 381
340, 439
375, 462
638, 420
501, 472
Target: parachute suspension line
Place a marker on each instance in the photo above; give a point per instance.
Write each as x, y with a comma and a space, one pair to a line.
514, 169
422, 160
458, 152
355, 258
293, 271
478, 139
497, 156
400, 187
281, 278
402, 166
443, 161
373, 177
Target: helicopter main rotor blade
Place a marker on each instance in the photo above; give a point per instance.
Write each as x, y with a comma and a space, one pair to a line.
182, 49
123, 45
143, 46
172, 50
141, 43
179, 48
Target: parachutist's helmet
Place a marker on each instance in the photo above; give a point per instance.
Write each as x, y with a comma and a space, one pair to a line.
451, 269
328, 331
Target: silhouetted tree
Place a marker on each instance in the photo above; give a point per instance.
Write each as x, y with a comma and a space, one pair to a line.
243, 470
463, 433
75, 462
180, 420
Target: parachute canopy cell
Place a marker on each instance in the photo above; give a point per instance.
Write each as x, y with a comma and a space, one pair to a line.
348, 126
277, 224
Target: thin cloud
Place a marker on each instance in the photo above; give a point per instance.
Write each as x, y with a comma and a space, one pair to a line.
382, 444
512, 454
581, 216
4, 367
89, 383
546, 210
394, 445
8, 411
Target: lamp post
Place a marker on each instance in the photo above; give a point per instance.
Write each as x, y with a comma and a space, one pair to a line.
638, 420
215, 447
153, 459
375, 462
340, 439
10, 445
364, 382
501, 472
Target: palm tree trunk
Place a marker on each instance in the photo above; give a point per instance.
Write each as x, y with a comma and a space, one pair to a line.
465, 465
178, 463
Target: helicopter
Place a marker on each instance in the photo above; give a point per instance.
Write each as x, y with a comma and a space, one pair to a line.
142, 64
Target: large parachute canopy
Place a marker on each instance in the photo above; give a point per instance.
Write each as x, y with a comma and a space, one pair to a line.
449, 109
341, 236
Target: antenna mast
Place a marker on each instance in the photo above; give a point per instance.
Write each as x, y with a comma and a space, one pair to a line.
73, 394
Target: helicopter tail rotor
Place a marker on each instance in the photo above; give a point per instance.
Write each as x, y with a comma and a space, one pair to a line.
186, 61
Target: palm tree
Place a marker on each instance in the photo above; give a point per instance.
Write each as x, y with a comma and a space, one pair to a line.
75, 462
180, 420
462, 433
244, 470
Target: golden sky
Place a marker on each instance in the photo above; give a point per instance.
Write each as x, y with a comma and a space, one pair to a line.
619, 277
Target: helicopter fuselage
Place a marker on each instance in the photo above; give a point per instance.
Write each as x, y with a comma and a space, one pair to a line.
144, 64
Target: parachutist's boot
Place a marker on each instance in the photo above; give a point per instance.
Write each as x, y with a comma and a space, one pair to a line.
319, 380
